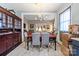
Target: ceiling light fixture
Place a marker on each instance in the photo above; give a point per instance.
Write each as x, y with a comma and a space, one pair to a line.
40, 5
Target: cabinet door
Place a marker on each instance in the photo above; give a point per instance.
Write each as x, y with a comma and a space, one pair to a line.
0, 20
0, 23
4, 20
9, 41
2, 44
10, 22
16, 38
19, 25
16, 23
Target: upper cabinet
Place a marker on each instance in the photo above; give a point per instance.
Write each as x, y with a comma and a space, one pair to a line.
9, 21
0, 20
3, 20
17, 24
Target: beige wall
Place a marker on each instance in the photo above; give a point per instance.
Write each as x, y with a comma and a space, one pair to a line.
40, 23
74, 14
65, 6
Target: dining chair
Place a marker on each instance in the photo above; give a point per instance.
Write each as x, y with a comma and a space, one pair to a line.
36, 39
45, 39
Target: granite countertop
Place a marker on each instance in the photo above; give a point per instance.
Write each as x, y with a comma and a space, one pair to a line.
5, 33
77, 39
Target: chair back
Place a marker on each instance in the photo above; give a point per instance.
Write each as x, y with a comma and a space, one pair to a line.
45, 38
35, 38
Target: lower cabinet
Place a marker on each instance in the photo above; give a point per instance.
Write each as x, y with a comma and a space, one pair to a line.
16, 38
75, 48
8, 41
2, 44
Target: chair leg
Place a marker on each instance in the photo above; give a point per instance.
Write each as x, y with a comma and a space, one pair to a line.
39, 48
48, 47
55, 44
25, 45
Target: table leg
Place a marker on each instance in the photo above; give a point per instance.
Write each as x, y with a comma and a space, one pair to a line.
27, 44
55, 43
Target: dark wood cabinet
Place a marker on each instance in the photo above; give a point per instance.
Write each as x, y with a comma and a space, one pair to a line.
9, 22
16, 38
9, 41
2, 44
10, 31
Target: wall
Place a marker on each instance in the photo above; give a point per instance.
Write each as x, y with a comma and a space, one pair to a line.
7, 6
74, 14
26, 22
40, 23
60, 10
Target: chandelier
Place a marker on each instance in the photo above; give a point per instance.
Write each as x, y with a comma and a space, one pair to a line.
41, 17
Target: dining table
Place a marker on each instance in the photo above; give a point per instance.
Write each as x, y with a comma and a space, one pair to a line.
51, 36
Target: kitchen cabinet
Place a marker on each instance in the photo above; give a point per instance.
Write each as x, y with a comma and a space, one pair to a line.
10, 31
2, 44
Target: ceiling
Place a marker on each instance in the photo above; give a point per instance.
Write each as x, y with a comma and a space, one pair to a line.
35, 7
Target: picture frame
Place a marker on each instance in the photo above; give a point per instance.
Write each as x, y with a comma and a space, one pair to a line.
31, 25
47, 26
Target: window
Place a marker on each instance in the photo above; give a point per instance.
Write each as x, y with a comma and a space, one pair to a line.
65, 18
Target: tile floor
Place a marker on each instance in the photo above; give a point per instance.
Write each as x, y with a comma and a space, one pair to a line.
21, 51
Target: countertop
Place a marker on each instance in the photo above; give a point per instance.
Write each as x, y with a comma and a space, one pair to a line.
5, 33
77, 39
